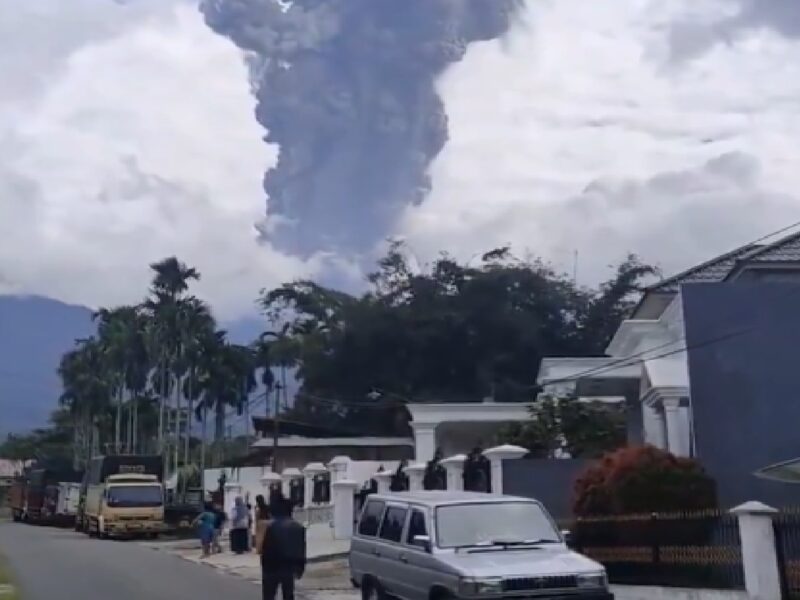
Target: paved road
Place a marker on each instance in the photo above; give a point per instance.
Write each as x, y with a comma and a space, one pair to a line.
55, 563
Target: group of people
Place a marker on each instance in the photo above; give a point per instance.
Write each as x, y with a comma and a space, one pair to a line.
279, 540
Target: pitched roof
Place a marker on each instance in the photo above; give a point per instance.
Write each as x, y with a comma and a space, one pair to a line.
711, 271
786, 249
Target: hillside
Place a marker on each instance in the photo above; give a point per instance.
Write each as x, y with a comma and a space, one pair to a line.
34, 333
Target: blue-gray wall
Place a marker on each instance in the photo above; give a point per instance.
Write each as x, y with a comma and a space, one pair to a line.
745, 389
549, 481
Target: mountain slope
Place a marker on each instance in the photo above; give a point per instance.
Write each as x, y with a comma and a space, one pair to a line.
34, 333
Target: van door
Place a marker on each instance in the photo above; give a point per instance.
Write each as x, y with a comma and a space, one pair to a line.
364, 552
388, 544
414, 560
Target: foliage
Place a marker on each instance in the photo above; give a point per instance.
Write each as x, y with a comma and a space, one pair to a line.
454, 332
641, 480
568, 427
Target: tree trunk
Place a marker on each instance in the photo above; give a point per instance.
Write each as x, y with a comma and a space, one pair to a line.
178, 423
162, 401
203, 452
118, 424
219, 422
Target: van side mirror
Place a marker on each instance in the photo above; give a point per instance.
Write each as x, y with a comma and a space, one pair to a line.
423, 541
567, 535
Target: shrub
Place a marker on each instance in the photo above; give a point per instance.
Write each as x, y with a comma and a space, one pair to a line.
643, 479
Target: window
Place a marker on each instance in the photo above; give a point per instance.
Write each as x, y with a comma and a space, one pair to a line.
416, 526
460, 525
128, 496
370, 518
393, 521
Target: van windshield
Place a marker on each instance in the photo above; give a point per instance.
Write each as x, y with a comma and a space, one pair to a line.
490, 523
134, 496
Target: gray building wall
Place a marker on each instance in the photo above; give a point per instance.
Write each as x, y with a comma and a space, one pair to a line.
550, 481
744, 372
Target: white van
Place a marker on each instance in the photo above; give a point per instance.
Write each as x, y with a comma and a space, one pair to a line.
458, 545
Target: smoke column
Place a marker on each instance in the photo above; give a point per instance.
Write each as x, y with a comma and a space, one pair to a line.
346, 89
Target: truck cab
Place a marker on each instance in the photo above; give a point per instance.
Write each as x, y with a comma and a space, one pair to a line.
125, 505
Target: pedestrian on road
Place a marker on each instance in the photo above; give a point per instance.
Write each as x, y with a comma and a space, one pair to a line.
262, 521
205, 528
283, 555
219, 524
240, 523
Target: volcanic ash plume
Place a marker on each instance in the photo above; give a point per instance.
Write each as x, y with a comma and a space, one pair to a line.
346, 89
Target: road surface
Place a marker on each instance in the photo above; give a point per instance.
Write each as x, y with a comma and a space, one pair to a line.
56, 563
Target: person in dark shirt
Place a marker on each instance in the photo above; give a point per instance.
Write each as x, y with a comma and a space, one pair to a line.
283, 555
219, 523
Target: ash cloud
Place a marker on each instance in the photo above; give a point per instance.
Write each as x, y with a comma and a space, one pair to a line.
346, 88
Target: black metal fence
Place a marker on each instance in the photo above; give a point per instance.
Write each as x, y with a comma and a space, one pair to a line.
695, 550
787, 547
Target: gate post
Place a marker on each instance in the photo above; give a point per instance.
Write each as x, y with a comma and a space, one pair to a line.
343, 508
496, 457
760, 561
384, 480
416, 476
455, 471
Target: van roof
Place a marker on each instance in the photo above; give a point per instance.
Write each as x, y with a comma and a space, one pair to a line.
438, 498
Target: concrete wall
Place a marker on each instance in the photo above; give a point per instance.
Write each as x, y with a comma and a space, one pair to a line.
549, 481
745, 390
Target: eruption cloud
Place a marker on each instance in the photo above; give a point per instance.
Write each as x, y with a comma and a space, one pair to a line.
346, 89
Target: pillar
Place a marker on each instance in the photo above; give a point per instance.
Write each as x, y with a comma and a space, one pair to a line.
343, 508
309, 472
384, 479
416, 476
455, 471
677, 429
496, 457
761, 575
268, 480
654, 426
424, 441
338, 468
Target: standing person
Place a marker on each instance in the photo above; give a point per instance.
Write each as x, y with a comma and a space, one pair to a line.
205, 528
240, 520
283, 555
219, 524
262, 521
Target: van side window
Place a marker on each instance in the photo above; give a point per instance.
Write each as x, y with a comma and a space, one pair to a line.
371, 518
416, 526
393, 522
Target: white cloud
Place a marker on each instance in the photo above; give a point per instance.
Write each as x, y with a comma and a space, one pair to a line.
581, 132
135, 140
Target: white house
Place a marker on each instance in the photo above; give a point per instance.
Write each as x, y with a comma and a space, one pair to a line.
649, 349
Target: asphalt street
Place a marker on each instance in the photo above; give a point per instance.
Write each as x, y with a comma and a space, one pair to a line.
56, 563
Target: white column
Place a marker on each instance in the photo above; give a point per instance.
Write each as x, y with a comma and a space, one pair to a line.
653, 421
310, 471
384, 479
455, 471
338, 468
496, 457
268, 480
761, 576
343, 506
677, 430
416, 476
424, 441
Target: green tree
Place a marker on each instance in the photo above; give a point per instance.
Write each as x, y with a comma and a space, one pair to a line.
569, 427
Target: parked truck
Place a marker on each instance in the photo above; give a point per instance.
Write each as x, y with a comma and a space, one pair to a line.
61, 503
123, 496
38, 495
18, 498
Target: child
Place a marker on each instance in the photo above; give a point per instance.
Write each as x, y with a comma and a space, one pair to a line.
205, 528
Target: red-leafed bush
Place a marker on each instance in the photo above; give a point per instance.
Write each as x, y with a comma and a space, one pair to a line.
643, 479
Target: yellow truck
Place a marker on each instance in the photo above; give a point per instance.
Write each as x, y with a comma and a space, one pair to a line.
123, 497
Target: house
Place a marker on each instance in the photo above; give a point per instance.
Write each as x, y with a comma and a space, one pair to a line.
706, 365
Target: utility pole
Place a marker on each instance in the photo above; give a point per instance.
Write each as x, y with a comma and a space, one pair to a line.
275, 427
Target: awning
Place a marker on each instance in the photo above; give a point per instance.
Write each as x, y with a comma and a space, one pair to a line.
787, 471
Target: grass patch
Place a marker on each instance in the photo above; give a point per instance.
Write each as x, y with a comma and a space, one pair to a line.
7, 589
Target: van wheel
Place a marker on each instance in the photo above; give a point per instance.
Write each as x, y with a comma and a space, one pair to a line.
372, 590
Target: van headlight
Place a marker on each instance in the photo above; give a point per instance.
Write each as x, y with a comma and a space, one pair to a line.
593, 580
477, 586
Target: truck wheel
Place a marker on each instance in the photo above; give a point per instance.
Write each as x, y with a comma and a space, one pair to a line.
372, 590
